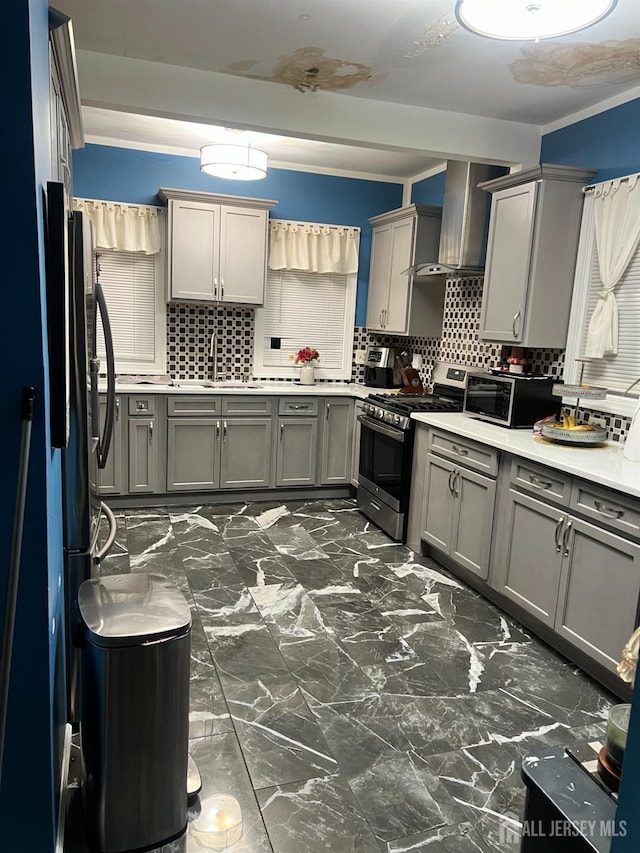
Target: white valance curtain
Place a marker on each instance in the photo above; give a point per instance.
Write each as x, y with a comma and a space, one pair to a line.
123, 227
313, 248
617, 228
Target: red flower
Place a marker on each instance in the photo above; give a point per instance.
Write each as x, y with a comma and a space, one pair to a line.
306, 354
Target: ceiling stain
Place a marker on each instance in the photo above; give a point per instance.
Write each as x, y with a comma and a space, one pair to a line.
579, 65
308, 70
433, 36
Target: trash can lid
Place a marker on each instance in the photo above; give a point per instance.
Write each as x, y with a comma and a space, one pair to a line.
130, 610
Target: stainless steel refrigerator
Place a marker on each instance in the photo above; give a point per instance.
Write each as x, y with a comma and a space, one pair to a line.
88, 441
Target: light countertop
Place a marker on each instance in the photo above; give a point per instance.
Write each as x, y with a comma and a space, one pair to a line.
255, 388
604, 465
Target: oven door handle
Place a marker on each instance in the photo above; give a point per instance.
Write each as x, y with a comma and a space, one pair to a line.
377, 426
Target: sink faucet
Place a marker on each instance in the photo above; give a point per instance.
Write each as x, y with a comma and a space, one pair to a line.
213, 354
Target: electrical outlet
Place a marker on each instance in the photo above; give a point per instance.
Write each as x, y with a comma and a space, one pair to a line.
361, 356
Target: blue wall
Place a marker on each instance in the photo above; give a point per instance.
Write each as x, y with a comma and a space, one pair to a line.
30, 772
609, 142
429, 190
121, 174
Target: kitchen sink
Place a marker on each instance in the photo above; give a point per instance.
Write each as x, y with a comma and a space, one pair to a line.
210, 383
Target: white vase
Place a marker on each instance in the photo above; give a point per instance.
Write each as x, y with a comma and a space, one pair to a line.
631, 449
307, 374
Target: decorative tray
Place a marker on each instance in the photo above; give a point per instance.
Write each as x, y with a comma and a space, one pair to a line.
582, 392
565, 435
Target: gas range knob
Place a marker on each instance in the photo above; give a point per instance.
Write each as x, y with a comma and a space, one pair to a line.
397, 419
379, 413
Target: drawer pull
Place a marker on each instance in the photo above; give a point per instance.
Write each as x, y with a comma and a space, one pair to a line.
461, 451
559, 524
536, 481
298, 406
565, 538
374, 505
140, 406
608, 511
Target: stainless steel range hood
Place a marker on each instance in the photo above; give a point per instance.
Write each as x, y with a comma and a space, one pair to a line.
465, 222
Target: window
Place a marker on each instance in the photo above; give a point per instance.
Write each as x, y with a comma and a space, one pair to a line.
134, 292
615, 372
303, 309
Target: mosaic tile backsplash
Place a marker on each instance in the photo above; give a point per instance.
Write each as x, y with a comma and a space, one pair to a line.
189, 330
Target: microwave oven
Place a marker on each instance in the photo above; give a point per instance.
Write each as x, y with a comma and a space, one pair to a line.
511, 401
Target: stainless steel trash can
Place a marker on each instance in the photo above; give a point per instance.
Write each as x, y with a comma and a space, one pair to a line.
134, 713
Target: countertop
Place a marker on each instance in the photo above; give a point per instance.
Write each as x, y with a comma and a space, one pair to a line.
603, 465
257, 387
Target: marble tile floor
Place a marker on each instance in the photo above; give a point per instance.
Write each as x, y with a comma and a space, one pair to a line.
352, 695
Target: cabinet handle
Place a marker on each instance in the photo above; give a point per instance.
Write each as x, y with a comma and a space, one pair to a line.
374, 505
461, 451
117, 408
215, 287
326, 414
456, 493
224, 430
386, 317
451, 473
298, 406
566, 537
380, 318
221, 288
150, 432
217, 431
559, 524
515, 321
281, 431
608, 511
542, 484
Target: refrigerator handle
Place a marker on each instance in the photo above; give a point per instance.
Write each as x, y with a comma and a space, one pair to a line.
102, 451
102, 553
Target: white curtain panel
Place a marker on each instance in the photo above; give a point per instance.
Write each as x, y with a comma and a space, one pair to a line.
617, 225
313, 248
123, 227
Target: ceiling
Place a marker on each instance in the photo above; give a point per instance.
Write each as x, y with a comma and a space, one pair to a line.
407, 63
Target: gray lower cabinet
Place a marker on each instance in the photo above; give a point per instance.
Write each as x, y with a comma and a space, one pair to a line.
355, 444
337, 440
459, 513
193, 454
575, 577
296, 455
110, 480
245, 461
144, 455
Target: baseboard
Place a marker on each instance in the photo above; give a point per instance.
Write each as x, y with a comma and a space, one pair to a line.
64, 779
305, 493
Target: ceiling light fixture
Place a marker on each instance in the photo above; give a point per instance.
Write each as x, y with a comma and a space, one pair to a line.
530, 20
233, 162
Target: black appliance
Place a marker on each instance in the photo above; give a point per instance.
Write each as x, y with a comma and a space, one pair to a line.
510, 400
386, 447
381, 369
75, 285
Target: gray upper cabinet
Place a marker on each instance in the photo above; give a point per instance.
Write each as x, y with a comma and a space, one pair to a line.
397, 303
193, 454
337, 441
217, 247
246, 453
531, 254
296, 456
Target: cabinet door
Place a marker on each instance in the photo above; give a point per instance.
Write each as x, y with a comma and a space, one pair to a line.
379, 276
194, 250
598, 601
243, 255
439, 503
297, 451
511, 233
144, 456
193, 454
473, 520
337, 437
245, 460
109, 480
355, 446
397, 317
531, 570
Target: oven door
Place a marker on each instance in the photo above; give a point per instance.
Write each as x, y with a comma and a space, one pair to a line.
383, 469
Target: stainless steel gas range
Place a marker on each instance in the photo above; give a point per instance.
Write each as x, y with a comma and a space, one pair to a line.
386, 446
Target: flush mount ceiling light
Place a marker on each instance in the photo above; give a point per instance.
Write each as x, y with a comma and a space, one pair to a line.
233, 162
530, 20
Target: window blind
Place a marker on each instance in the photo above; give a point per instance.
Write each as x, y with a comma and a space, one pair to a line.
616, 372
304, 309
128, 280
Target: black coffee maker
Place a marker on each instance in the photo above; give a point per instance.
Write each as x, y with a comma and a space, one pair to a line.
382, 368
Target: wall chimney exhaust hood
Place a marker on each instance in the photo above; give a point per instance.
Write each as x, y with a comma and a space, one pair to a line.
465, 222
